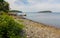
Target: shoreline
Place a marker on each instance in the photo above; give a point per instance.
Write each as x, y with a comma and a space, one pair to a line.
41, 23
21, 17
38, 30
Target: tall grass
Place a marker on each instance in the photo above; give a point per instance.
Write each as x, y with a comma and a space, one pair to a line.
9, 28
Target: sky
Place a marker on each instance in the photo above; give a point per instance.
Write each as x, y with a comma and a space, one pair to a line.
34, 5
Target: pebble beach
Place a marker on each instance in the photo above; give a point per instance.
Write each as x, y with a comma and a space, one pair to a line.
38, 30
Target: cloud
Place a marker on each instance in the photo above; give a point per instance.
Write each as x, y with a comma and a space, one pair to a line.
35, 5
46, 6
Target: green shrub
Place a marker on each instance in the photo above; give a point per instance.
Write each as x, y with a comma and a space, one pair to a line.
9, 28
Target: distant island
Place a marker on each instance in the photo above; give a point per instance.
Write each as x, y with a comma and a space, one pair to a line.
15, 11
45, 12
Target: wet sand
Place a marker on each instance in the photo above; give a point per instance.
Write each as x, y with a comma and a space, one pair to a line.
38, 30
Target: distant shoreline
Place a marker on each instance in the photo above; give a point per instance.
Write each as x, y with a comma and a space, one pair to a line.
45, 12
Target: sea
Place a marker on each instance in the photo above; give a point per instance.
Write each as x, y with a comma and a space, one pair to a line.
52, 19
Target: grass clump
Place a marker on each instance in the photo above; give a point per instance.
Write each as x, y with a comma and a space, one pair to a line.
9, 28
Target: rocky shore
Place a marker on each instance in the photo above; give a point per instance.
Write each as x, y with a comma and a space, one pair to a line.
38, 30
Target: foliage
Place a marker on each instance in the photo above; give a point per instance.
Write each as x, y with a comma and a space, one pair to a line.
1, 0
4, 6
15, 11
9, 28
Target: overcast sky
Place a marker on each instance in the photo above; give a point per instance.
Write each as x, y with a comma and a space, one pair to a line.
35, 5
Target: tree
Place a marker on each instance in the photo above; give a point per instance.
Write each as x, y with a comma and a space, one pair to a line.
4, 6
1, 0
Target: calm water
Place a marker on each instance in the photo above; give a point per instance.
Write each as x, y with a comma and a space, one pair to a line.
45, 18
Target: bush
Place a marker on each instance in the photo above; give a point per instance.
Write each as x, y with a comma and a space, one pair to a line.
9, 28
